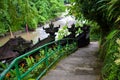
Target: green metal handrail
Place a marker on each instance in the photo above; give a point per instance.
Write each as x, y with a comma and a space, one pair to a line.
14, 63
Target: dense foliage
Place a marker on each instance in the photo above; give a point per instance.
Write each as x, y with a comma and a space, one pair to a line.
62, 32
110, 53
15, 14
106, 13
28, 62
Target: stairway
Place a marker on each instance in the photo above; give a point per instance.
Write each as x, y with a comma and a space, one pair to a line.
81, 65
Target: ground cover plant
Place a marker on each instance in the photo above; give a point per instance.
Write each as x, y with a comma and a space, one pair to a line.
28, 62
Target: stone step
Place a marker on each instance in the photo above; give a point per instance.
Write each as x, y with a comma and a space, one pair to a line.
81, 65
85, 71
72, 77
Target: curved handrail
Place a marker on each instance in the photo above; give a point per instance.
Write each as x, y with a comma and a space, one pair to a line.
13, 63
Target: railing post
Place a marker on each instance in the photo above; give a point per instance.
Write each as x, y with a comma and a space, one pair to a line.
17, 71
46, 56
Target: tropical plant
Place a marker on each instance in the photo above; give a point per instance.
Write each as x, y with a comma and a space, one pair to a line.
106, 13
117, 55
63, 31
3, 66
26, 63
30, 61
99, 11
110, 70
16, 14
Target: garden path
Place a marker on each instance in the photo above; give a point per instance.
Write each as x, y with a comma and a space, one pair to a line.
81, 65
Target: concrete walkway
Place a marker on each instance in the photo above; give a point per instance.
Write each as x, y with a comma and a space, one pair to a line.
81, 65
